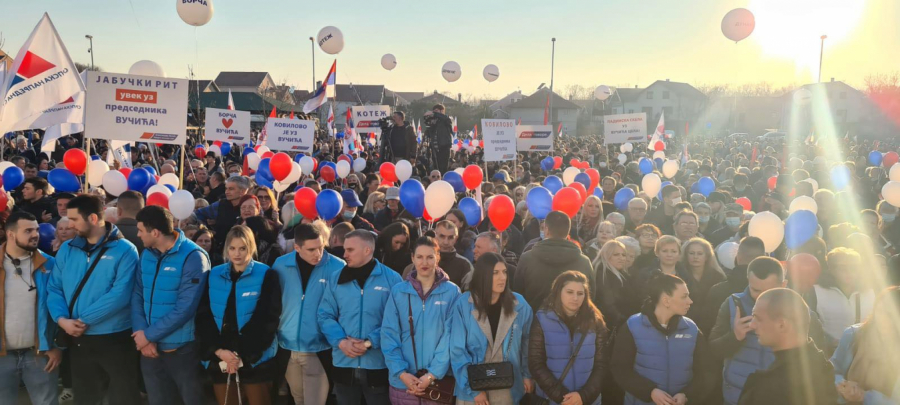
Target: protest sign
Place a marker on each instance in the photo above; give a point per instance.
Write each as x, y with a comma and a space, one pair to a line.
365, 117
499, 139
290, 135
534, 138
622, 128
227, 125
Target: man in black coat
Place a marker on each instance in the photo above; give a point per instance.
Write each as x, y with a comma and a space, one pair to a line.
35, 200
399, 141
442, 132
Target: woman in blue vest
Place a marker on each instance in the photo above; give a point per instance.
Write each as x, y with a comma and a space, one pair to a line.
237, 321
490, 325
660, 356
865, 362
427, 294
566, 316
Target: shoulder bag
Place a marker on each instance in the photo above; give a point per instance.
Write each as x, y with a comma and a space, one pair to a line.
62, 339
440, 391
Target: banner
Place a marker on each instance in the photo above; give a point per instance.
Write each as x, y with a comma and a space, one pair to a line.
227, 125
136, 108
291, 135
624, 128
365, 118
499, 139
534, 138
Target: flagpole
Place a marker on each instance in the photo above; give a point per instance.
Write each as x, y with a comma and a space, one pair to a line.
87, 168
181, 172
552, 64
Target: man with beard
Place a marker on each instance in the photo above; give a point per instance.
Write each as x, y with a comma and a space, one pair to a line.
26, 330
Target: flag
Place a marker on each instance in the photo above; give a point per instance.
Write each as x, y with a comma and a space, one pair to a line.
753, 156
475, 132
559, 130
329, 122
658, 134
520, 122
2, 71
121, 151
263, 135
547, 111
455, 128
318, 99
292, 114
685, 156
55, 132
42, 76
230, 101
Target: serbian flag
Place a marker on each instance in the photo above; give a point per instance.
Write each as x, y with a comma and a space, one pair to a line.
474, 131
520, 122
321, 95
42, 76
230, 101
263, 135
455, 128
559, 130
547, 110
329, 123
658, 134
292, 115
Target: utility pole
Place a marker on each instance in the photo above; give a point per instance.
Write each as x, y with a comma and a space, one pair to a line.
821, 53
312, 43
91, 49
552, 63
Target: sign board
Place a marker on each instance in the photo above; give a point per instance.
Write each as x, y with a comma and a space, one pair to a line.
534, 138
499, 139
136, 108
365, 117
290, 135
622, 128
227, 125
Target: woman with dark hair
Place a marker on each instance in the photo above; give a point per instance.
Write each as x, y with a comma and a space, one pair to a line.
416, 342
392, 247
268, 205
465, 243
660, 356
266, 239
865, 362
205, 238
490, 325
568, 325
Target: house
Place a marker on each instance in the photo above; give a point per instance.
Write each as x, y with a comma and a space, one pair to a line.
681, 103
7, 60
849, 110
440, 98
530, 111
402, 98
247, 82
348, 95
499, 107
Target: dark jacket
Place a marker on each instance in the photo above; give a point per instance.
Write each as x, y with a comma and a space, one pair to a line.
400, 142
539, 266
614, 297
799, 376
128, 229
385, 217
37, 208
215, 194
443, 129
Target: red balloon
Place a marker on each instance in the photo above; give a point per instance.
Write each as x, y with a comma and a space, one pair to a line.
567, 200
584, 165
582, 192
772, 182
4, 201
595, 178
345, 157
159, 199
280, 166
890, 158
267, 155
256, 148
574, 162
315, 163
501, 212
126, 171
472, 177
75, 161
327, 173
557, 162
155, 177
388, 171
200, 152
427, 217
745, 202
305, 201
218, 143
660, 146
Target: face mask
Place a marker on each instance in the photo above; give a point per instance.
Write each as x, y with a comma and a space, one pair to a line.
888, 217
676, 201
348, 215
740, 188
733, 222
234, 175
688, 172
602, 164
542, 234
704, 219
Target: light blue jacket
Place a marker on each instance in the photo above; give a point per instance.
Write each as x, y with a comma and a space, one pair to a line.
431, 319
469, 345
104, 303
841, 360
348, 311
298, 329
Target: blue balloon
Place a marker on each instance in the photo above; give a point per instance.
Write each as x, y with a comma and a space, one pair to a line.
151, 170
598, 192
584, 179
412, 196
706, 185
339, 135
264, 171
247, 151
225, 148
44, 173
298, 157
695, 188
471, 210
138, 180
840, 177
147, 187
875, 158
63, 180
646, 166
799, 228
661, 187
547, 164
170, 187
13, 177
540, 202
46, 233
95, 157
623, 196
262, 180
328, 204
456, 181
553, 184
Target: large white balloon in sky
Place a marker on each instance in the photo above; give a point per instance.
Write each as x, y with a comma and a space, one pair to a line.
331, 40
195, 12
802, 97
147, 68
388, 61
451, 72
738, 24
491, 73
602, 92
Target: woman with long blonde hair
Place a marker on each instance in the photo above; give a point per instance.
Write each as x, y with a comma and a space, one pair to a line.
613, 284
584, 228
701, 273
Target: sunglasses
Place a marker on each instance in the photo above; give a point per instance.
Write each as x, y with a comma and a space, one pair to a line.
263, 197
17, 264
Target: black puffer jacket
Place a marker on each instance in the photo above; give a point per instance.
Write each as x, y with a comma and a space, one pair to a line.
541, 265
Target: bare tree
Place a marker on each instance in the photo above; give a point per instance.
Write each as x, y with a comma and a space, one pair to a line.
83, 66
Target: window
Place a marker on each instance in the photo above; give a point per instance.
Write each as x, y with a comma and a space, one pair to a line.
630, 111
665, 95
649, 95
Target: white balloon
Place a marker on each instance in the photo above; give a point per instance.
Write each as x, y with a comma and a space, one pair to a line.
726, 253
491, 73
280, 186
170, 179
891, 193
659, 155
295, 173
307, 164
459, 170
768, 227
96, 170
622, 158
804, 203
803, 97
195, 12
159, 188
181, 204
114, 182
628, 146
404, 170
253, 160
738, 24
815, 184
439, 198
651, 183
4, 166
147, 68
388, 61
215, 149
359, 164
331, 40
602, 92
569, 175
670, 168
622, 148
343, 169
451, 72
262, 150
894, 174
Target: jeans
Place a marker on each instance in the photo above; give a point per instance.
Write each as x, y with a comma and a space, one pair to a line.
107, 362
25, 365
306, 377
173, 375
351, 394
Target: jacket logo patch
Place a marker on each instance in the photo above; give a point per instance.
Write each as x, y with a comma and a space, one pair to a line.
249, 294
169, 269
380, 288
322, 280
683, 336
107, 257
440, 303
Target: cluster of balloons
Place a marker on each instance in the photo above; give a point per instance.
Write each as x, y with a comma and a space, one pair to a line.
326, 204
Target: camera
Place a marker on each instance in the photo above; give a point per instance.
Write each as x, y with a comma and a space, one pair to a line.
385, 123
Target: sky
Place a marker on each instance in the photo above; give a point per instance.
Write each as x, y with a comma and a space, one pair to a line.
619, 43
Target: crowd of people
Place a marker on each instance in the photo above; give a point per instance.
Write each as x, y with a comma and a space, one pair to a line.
625, 302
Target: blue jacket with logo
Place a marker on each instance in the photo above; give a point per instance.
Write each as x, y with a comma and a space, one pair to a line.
559, 344
666, 360
750, 358
348, 311
298, 329
45, 327
167, 293
247, 294
104, 302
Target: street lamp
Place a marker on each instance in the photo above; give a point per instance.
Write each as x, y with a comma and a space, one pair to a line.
821, 53
312, 44
91, 49
552, 62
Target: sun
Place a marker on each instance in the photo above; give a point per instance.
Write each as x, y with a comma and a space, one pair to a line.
791, 29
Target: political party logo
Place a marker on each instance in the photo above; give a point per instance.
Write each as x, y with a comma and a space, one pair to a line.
535, 134
300, 148
539, 147
32, 65
159, 137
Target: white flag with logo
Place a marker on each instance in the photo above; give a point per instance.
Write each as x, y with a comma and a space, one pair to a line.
42, 76
658, 134
121, 151
55, 132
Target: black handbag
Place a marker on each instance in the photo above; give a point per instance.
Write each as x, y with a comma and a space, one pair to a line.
62, 339
440, 391
534, 399
491, 376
